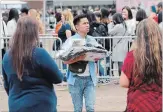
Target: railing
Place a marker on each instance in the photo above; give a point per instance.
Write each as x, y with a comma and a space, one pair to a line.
106, 68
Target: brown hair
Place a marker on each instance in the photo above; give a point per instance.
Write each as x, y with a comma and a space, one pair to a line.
148, 53
24, 41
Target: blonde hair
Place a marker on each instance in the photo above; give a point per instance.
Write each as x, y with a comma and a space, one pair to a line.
69, 18
36, 15
148, 52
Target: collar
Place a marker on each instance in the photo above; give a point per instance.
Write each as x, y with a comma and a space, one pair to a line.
79, 36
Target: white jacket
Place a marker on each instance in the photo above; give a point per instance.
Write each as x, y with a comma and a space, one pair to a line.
4, 33
161, 26
131, 26
11, 27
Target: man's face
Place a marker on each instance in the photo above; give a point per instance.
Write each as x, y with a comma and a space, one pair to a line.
83, 26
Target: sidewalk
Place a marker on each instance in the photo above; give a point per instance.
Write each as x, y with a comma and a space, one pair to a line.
109, 98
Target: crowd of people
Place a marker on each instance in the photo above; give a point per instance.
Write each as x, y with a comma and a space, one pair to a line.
29, 72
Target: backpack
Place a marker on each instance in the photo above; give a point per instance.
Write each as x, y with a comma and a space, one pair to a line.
100, 30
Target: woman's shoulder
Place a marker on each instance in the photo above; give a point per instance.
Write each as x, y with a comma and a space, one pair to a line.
130, 55
12, 21
6, 57
39, 50
120, 26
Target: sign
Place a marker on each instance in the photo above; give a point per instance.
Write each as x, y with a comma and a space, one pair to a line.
144, 4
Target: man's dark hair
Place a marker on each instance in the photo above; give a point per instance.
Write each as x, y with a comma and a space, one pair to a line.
160, 4
78, 18
24, 10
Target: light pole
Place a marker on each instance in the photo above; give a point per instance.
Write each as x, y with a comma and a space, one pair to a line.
0, 38
54, 5
44, 14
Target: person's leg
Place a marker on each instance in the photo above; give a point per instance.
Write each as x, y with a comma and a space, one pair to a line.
119, 67
101, 67
76, 92
89, 95
3, 52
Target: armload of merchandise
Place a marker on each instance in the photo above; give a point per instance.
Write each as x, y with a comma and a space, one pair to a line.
92, 50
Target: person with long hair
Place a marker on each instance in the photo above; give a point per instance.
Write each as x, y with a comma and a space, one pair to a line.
142, 70
67, 29
35, 14
29, 72
140, 15
120, 45
12, 21
58, 21
129, 20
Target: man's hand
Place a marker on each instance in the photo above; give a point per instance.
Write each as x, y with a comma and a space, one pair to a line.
79, 58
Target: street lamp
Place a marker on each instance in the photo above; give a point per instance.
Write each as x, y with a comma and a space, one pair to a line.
44, 14
0, 37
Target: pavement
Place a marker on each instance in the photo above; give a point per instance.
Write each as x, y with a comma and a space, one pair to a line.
109, 98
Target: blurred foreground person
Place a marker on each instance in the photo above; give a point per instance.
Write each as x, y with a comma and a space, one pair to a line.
142, 70
29, 72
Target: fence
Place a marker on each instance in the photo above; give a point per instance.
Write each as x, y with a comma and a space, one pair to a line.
48, 42
118, 47
106, 68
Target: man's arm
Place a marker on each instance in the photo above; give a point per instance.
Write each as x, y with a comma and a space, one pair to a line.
6, 85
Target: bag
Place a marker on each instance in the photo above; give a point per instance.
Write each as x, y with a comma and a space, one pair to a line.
100, 31
78, 67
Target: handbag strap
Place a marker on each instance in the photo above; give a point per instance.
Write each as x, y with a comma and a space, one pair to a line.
3, 29
118, 42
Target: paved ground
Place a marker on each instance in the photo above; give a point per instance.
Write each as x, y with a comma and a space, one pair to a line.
109, 98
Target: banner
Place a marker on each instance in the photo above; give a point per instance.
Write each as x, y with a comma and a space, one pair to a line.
144, 4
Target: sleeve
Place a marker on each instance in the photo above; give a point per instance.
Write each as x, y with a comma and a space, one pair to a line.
110, 26
67, 27
49, 67
6, 85
68, 44
10, 28
5, 28
93, 42
114, 30
127, 67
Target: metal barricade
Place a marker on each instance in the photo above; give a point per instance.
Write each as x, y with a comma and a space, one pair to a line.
4, 45
109, 64
48, 42
52, 44
50, 31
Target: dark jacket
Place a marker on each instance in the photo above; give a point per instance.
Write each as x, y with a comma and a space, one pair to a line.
98, 29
